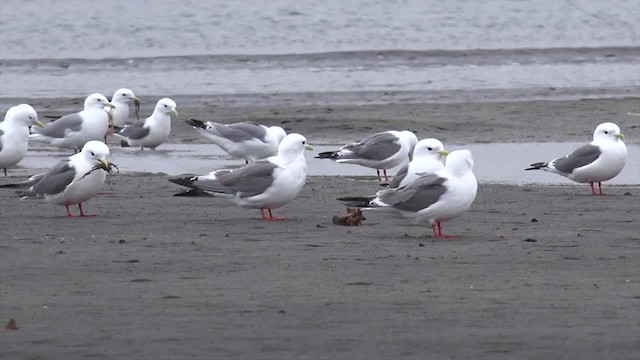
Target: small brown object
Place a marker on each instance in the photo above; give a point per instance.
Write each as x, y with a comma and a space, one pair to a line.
353, 217
12, 325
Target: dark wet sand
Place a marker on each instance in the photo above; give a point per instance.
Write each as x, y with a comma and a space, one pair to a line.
162, 277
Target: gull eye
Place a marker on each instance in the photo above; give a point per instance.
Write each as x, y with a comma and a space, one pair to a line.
124, 94
606, 132
165, 105
429, 148
92, 154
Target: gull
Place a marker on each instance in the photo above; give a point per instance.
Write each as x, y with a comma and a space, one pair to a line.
380, 151
264, 184
71, 181
601, 160
14, 134
122, 98
74, 130
437, 197
154, 130
245, 140
427, 158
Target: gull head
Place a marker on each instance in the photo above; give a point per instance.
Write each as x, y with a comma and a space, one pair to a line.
607, 131
24, 114
96, 153
126, 96
166, 106
97, 101
429, 147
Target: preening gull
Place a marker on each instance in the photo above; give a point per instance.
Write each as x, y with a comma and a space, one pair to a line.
436, 198
380, 151
73, 180
14, 134
427, 159
598, 161
264, 184
74, 130
154, 130
122, 98
244, 140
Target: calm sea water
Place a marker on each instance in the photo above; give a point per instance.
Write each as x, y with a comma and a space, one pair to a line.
447, 50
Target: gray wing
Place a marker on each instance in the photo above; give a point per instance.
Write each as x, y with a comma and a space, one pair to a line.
239, 132
418, 195
54, 181
59, 128
249, 180
584, 155
375, 147
400, 175
135, 131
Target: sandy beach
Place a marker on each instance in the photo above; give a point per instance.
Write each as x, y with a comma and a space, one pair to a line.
539, 272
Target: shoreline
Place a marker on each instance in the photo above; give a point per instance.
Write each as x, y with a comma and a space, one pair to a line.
538, 270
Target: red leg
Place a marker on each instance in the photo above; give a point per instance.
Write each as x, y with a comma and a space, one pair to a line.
593, 190
441, 235
435, 230
386, 178
82, 212
262, 212
378, 172
69, 214
273, 218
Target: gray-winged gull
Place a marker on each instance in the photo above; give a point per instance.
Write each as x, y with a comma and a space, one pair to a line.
435, 198
122, 98
14, 134
245, 140
380, 151
265, 184
154, 130
427, 159
73, 180
598, 161
74, 130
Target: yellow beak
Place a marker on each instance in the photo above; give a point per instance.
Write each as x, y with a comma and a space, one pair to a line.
308, 147
110, 105
443, 152
136, 100
620, 136
105, 164
174, 112
37, 122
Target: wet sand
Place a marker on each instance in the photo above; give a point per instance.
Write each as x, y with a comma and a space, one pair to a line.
539, 272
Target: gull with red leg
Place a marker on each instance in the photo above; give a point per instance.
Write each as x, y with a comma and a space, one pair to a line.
71, 181
435, 197
266, 184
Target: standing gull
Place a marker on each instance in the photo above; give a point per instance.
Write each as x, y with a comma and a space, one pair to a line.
122, 98
265, 184
380, 151
244, 140
74, 130
598, 161
154, 130
14, 134
437, 197
73, 180
427, 159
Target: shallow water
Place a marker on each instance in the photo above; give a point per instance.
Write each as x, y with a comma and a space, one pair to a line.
494, 163
450, 48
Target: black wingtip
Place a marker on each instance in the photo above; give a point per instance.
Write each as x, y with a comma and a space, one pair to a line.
196, 123
327, 155
537, 166
184, 181
356, 201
